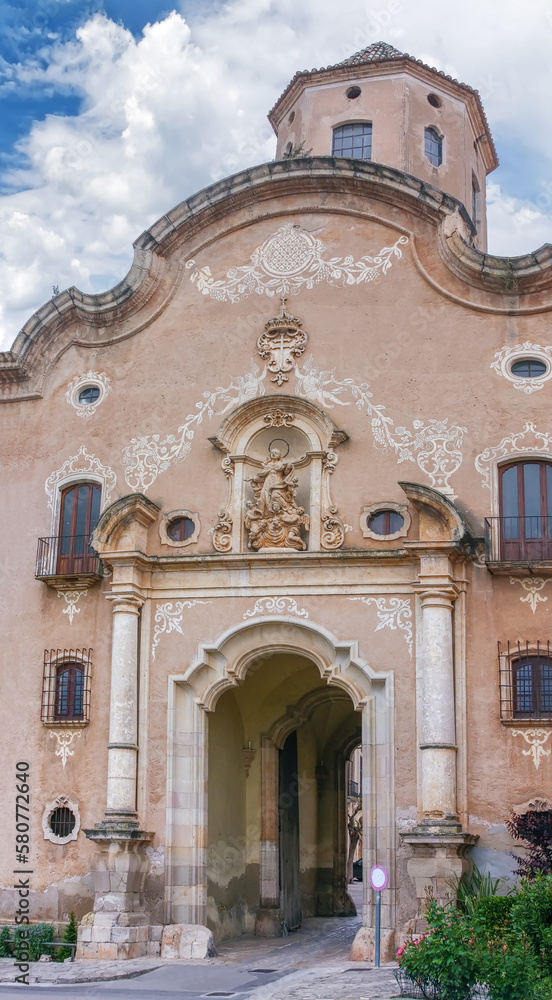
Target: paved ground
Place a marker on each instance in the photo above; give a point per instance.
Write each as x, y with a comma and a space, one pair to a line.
311, 964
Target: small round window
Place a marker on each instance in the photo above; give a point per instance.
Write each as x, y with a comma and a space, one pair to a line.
89, 395
353, 93
62, 822
180, 529
529, 368
435, 101
385, 522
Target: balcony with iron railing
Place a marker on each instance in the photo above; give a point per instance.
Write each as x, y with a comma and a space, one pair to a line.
517, 543
67, 561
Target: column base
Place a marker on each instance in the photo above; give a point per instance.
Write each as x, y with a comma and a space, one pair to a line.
438, 856
269, 922
191, 941
120, 926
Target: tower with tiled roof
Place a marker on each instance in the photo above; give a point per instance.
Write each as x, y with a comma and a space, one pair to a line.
383, 105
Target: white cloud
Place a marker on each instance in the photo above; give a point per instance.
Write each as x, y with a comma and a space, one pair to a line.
167, 114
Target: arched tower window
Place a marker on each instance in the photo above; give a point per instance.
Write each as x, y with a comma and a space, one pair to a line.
433, 146
353, 141
526, 511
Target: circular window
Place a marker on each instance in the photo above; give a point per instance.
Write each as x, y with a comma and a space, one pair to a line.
291, 118
90, 394
180, 529
353, 93
385, 522
62, 822
529, 368
435, 101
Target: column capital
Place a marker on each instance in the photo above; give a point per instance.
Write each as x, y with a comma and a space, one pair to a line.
126, 603
436, 594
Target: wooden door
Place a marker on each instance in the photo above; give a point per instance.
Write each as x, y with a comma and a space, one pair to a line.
288, 814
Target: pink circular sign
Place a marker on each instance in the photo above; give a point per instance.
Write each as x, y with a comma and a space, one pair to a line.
379, 878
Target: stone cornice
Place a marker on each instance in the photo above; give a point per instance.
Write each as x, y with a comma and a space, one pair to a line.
75, 318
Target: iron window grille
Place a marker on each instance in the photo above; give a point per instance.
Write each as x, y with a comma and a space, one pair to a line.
525, 679
62, 821
353, 141
66, 686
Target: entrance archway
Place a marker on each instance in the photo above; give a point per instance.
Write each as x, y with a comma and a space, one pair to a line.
260, 682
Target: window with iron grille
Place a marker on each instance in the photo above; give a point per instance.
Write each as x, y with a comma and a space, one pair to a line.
62, 822
66, 686
433, 146
525, 682
353, 141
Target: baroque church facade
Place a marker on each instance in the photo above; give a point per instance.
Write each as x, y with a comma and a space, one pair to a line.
281, 494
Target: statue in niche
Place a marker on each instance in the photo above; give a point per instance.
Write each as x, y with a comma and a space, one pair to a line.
273, 519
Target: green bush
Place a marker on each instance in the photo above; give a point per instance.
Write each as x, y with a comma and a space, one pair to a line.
470, 889
69, 937
5, 948
531, 916
542, 989
444, 959
32, 941
493, 915
508, 967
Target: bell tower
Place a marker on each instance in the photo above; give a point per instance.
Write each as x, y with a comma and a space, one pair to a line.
383, 105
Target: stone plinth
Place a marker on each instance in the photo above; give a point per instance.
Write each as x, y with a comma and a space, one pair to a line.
438, 857
363, 948
120, 927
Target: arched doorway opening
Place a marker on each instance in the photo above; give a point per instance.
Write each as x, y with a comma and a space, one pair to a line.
277, 850
230, 713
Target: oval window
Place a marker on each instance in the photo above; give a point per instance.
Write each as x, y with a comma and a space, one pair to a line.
529, 368
90, 394
353, 93
62, 822
180, 529
385, 522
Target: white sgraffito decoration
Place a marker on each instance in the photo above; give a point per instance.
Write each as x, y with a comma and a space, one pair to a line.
536, 738
98, 379
72, 598
435, 445
168, 618
81, 464
505, 358
276, 606
65, 739
290, 259
527, 440
397, 614
531, 584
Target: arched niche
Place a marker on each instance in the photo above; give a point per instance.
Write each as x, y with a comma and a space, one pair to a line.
278, 459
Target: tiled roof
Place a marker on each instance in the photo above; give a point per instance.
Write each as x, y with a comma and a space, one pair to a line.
374, 53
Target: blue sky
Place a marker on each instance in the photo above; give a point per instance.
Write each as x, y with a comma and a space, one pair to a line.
112, 112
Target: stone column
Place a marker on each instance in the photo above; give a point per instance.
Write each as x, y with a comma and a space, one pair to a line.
123, 711
438, 730
120, 923
438, 843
